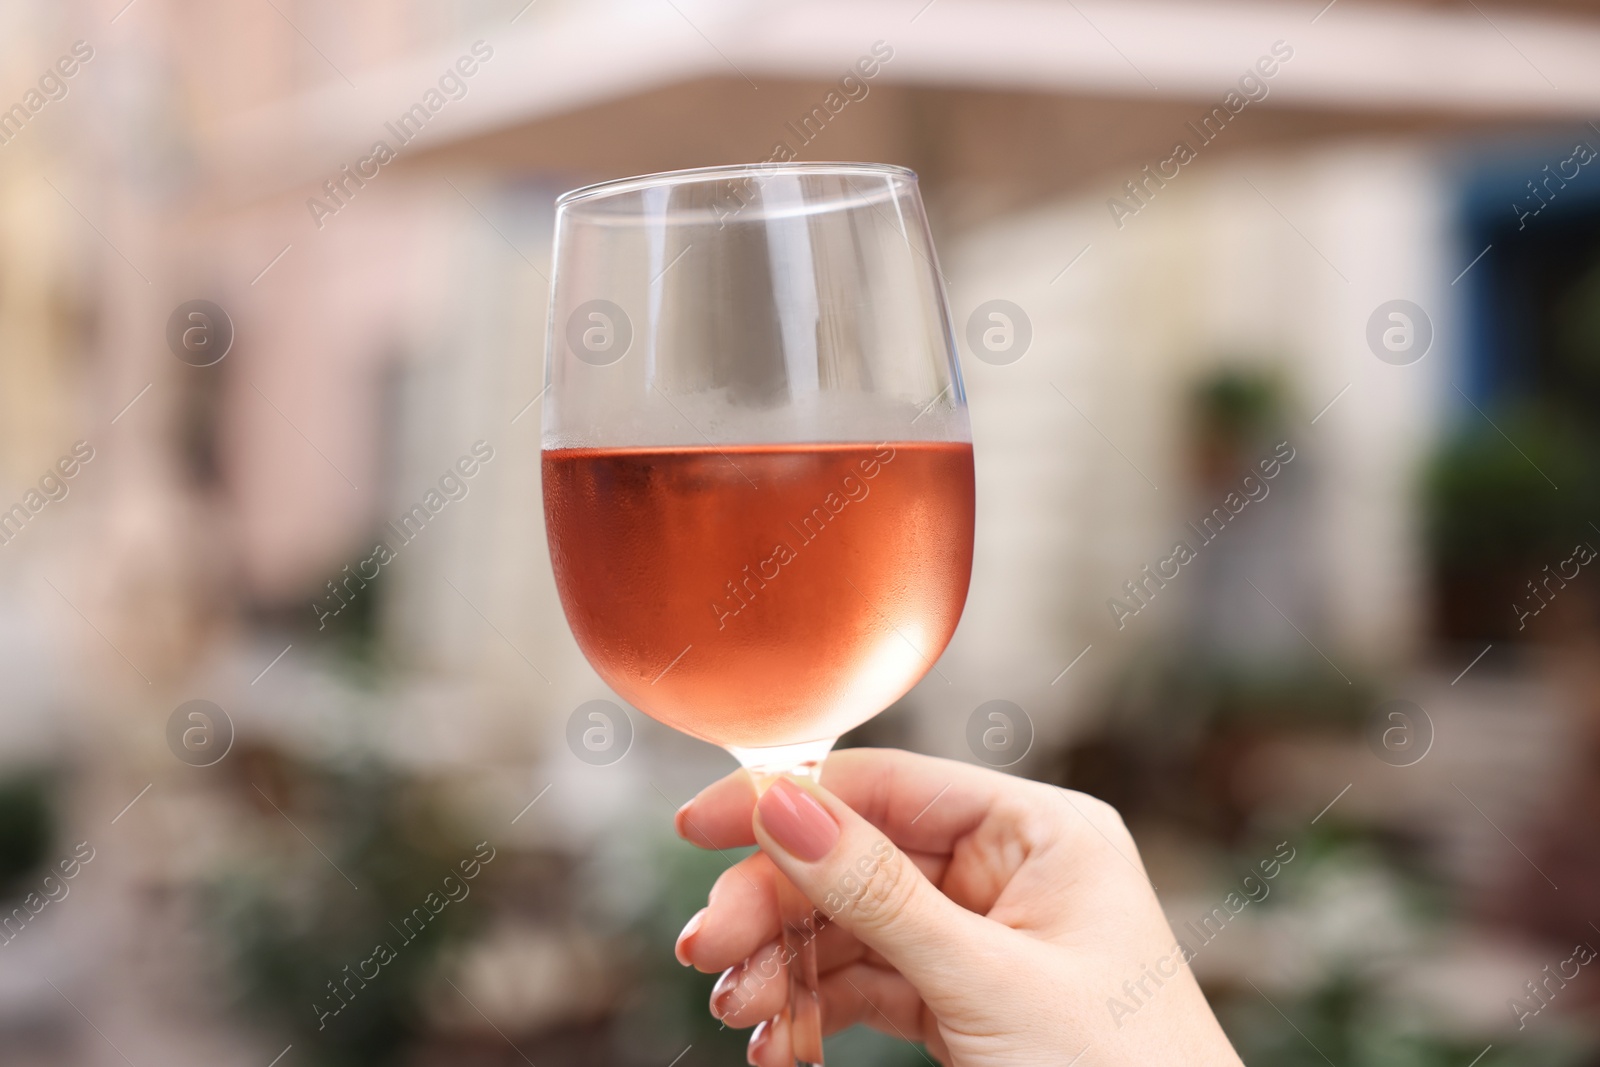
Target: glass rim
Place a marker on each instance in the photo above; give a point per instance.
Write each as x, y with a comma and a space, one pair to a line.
692, 175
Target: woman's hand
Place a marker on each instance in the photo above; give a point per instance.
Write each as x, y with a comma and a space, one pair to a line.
992, 918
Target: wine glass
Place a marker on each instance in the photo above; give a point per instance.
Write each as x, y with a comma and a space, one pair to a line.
757, 464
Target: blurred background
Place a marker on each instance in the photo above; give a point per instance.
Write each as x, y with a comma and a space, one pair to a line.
1312, 289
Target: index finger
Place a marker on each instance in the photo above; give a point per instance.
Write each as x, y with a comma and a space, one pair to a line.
922, 803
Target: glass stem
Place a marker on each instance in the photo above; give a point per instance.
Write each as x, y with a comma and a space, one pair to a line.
802, 921
801, 924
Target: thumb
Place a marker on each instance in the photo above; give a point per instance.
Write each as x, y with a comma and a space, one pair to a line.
858, 879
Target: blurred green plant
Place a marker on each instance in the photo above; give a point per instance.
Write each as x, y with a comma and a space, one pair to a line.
1576, 335
1170, 689
293, 926
1359, 905
665, 998
1487, 502
1234, 413
27, 828
1350, 918
1239, 403
1494, 518
355, 636
1352, 1019
1178, 724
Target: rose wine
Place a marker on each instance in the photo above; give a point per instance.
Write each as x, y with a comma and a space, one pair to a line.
768, 595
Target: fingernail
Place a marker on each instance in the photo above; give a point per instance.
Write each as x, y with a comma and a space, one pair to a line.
722, 993
797, 822
758, 1040
690, 928
680, 821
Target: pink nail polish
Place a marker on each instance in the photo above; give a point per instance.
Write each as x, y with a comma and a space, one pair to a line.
759, 1040
799, 825
722, 994
692, 927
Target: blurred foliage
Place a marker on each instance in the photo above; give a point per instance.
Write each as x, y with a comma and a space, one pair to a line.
1354, 1021
1494, 517
1360, 907
1239, 404
1178, 724
27, 828
1487, 506
1493, 522
1576, 339
1234, 413
354, 636
668, 1003
356, 633
294, 926
1172, 691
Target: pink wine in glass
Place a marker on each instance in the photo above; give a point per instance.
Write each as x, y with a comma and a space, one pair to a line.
766, 595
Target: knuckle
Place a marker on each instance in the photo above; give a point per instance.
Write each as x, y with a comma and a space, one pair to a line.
1097, 811
1098, 822
1109, 818
886, 894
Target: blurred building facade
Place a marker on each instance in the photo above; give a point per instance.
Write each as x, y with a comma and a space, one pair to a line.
384, 325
